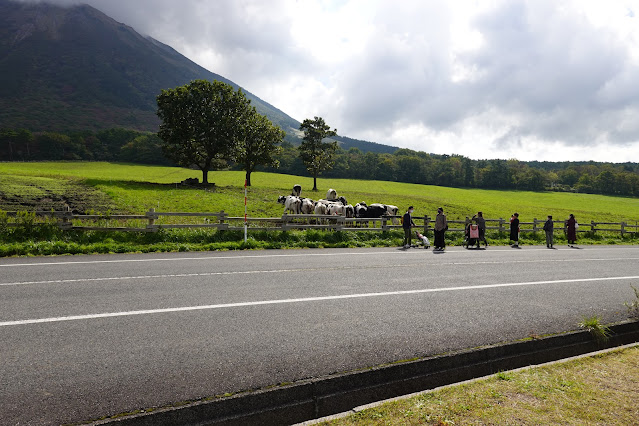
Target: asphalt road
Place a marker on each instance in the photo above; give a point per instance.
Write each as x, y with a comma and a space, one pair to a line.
88, 336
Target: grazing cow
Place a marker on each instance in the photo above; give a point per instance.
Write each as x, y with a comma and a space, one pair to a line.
308, 206
375, 211
360, 209
349, 210
321, 208
291, 203
336, 209
331, 195
342, 200
297, 190
392, 211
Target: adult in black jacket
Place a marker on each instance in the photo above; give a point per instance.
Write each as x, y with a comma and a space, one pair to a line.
514, 229
549, 228
407, 224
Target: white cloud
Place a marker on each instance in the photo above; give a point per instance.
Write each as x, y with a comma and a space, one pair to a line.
532, 79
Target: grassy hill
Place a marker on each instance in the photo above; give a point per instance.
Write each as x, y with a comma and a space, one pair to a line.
135, 188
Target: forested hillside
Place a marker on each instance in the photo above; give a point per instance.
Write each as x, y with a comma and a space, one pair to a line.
402, 165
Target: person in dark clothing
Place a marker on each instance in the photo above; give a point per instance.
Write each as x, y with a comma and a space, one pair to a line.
514, 229
407, 224
571, 230
549, 228
481, 225
441, 225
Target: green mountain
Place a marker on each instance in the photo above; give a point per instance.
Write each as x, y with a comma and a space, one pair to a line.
76, 68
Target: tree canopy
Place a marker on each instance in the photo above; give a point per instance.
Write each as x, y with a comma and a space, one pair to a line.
258, 143
202, 123
316, 154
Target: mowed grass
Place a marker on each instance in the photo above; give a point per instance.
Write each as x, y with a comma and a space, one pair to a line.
598, 390
136, 188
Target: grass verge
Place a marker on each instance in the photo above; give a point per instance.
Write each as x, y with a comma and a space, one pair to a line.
602, 389
44, 239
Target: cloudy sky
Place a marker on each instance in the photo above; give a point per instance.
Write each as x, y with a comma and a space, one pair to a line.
533, 80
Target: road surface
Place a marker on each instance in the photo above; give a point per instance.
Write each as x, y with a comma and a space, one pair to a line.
89, 336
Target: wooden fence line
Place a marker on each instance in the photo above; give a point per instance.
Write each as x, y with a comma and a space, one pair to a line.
222, 221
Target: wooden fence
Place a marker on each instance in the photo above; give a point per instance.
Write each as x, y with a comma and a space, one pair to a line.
150, 222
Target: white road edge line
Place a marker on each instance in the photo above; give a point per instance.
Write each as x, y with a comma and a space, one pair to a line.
299, 300
403, 253
270, 271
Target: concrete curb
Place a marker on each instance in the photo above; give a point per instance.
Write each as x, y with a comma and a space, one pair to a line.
316, 398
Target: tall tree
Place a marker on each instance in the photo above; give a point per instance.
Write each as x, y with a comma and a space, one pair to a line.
258, 143
316, 154
201, 123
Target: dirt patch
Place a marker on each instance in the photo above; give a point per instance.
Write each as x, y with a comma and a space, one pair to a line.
45, 194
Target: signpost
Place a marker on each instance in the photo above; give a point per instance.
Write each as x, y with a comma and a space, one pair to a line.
245, 221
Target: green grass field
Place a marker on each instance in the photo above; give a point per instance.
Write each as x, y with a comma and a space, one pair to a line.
135, 188
124, 188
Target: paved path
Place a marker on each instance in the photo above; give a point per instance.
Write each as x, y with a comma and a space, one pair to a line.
88, 336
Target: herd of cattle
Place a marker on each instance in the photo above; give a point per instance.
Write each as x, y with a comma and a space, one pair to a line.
333, 205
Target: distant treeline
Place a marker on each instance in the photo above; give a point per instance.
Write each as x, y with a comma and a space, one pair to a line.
401, 166
106, 145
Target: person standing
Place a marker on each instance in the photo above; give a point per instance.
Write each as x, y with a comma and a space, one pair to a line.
407, 224
441, 225
481, 225
571, 230
549, 228
514, 229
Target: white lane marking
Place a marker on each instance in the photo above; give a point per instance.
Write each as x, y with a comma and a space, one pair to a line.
207, 274
341, 268
398, 252
85, 262
299, 300
145, 277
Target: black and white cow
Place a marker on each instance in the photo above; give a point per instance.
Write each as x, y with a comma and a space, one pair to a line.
291, 203
360, 209
331, 195
376, 210
349, 211
337, 209
321, 208
297, 190
308, 206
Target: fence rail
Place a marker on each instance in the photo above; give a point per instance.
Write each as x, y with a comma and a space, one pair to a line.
67, 220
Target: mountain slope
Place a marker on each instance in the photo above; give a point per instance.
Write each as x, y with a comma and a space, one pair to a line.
76, 68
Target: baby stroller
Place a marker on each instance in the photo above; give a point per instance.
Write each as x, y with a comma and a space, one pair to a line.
471, 236
423, 239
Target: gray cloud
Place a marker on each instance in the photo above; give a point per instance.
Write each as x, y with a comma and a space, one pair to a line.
541, 64
542, 71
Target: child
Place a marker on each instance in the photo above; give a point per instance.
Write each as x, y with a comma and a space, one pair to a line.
423, 239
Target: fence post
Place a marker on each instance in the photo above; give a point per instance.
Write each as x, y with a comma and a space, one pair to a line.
501, 224
426, 224
150, 227
384, 224
66, 223
340, 222
285, 222
222, 217
593, 226
623, 228
534, 224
